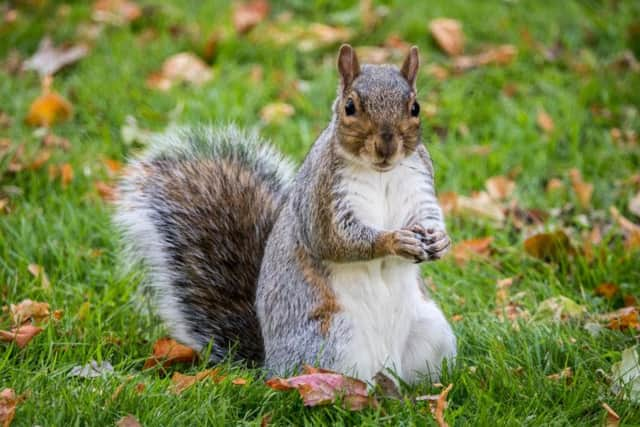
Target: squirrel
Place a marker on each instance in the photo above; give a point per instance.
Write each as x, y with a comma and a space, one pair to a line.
248, 258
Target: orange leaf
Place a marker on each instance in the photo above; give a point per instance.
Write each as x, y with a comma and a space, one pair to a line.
624, 318
48, 109
470, 249
499, 55
548, 246
613, 419
21, 335
545, 122
106, 191
448, 34
239, 381
248, 15
66, 174
27, 310
607, 290
441, 405
181, 382
583, 190
167, 352
8, 403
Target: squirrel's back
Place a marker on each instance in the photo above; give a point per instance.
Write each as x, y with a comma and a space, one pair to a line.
196, 209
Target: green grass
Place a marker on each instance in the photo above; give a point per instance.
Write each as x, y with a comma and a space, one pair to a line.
59, 227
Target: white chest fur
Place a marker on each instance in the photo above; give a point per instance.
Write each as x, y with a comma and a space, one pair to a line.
379, 299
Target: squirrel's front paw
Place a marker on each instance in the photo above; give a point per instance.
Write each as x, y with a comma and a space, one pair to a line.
408, 244
435, 242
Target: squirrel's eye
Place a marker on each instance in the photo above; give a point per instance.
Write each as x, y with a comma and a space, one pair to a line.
349, 107
415, 109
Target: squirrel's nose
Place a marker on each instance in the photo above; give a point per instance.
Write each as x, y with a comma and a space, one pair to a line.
385, 146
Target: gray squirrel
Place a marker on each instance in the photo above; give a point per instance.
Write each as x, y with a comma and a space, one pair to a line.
315, 267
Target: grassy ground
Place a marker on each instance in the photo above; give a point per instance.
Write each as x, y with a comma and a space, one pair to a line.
501, 373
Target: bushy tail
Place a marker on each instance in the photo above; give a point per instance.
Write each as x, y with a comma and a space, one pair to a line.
196, 209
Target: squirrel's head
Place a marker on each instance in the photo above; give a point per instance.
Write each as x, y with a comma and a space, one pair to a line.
378, 116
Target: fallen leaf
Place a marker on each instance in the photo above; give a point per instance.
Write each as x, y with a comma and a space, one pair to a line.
322, 387
66, 174
629, 300
21, 335
113, 166
482, 205
239, 381
511, 311
184, 67
607, 290
38, 272
116, 12
630, 230
28, 310
583, 189
128, 421
499, 187
545, 122
549, 246
566, 373
554, 184
181, 382
276, 112
168, 352
42, 157
626, 375
448, 34
502, 291
249, 14
624, 318
92, 369
448, 201
559, 309
48, 58
319, 35
8, 403
634, 205
107, 192
441, 405
613, 419
472, 249
499, 55
48, 109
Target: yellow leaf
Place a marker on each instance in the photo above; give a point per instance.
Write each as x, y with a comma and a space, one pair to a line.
49, 109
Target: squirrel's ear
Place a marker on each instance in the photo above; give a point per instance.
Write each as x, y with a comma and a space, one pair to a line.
410, 67
348, 65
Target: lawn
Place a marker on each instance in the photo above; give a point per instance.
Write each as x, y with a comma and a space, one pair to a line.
489, 121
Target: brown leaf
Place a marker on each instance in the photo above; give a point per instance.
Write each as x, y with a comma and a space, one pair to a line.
448, 34
181, 382
448, 201
116, 12
472, 249
66, 174
38, 272
500, 187
549, 246
613, 419
512, 311
239, 381
500, 55
249, 14
323, 387
276, 112
107, 192
545, 122
607, 290
48, 109
21, 335
630, 230
480, 204
167, 352
565, 374
438, 404
8, 403
28, 310
184, 67
583, 190
128, 421
554, 184
42, 157
48, 58
624, 318
629, 300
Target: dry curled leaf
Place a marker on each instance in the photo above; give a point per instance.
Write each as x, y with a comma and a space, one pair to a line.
480, 204
249, 14
448, 34
38, 272
276, 112
472, 249
28, 310
437, 404
624, 318
107, 192
549, 246
181, 382
48, 109
49, 58
499, 55
323, 387
613, 419
583, 189
565, 374
499, 187
607, 290
166, 352
184, 67
21, 335
8, 403
116, 12
545, 122
128, 421
559, 309
630, 230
